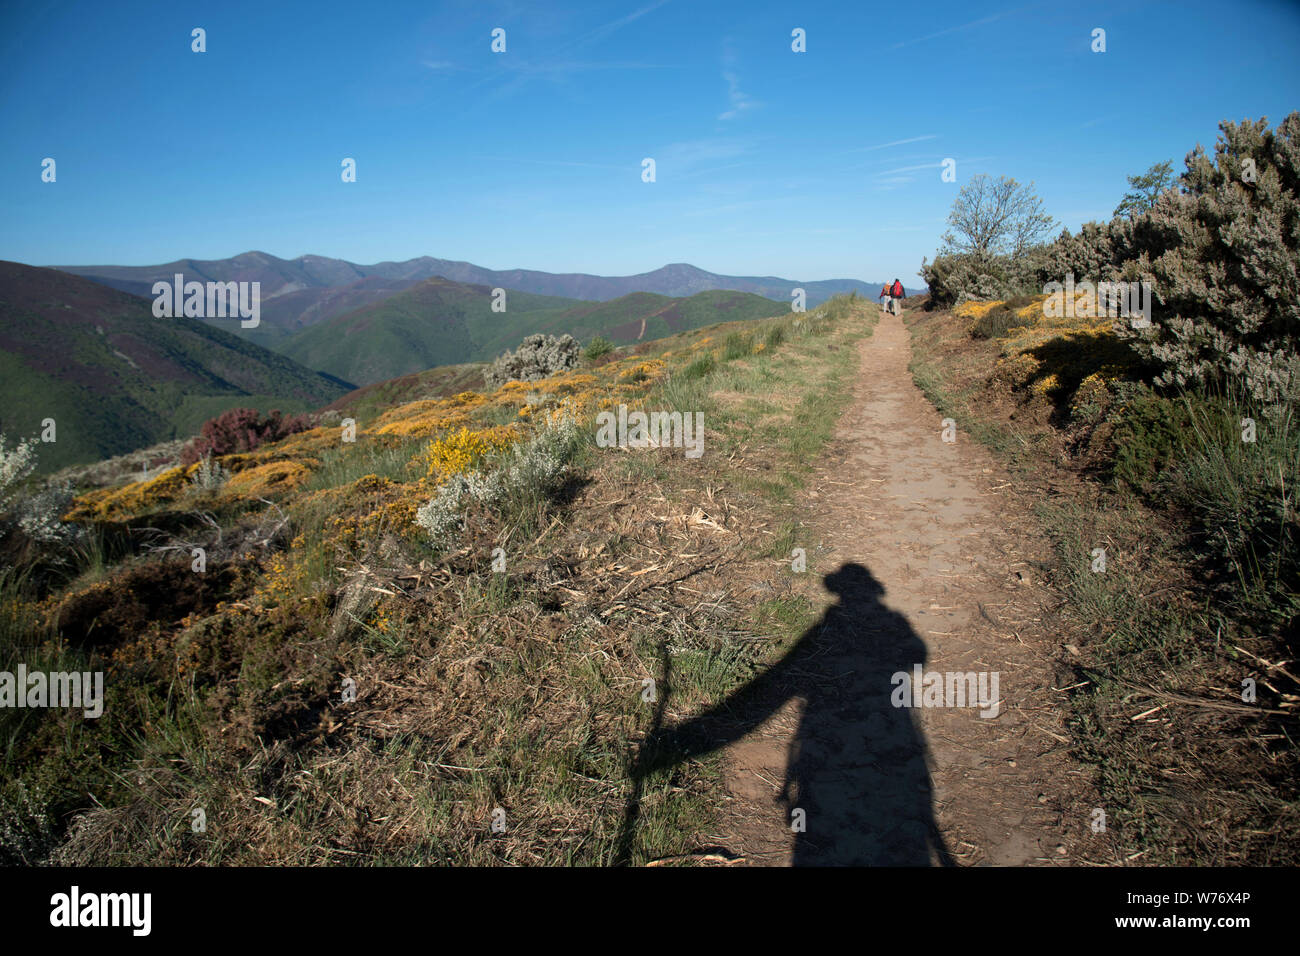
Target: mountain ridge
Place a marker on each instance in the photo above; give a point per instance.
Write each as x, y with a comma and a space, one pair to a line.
282, 278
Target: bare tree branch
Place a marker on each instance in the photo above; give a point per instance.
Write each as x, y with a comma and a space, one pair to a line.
996, 217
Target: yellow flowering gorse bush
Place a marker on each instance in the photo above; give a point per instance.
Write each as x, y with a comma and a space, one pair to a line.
461, 450
1075, 343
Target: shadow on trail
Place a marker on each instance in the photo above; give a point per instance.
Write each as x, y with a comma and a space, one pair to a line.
857, 764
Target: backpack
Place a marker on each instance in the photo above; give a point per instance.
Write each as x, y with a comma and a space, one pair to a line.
897, 290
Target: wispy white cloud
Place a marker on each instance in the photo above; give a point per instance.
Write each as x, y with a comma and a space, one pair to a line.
559, 162
897, 142
963, 27
605, 29
739, 99
902, 175
522, 72
907, 169
695, 155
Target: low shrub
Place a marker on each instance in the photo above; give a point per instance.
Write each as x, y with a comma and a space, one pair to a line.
956, 278
209, 476
516, 483
1150, 432
1001, 319
40, 515
538, 357
239, 430
15, 464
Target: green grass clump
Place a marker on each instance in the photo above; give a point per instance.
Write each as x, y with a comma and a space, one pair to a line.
1242, 495
700, 367
597, 347
738, 345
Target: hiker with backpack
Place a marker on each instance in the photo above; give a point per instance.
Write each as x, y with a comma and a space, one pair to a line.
896, 297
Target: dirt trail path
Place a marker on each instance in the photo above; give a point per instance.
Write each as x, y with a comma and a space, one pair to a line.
924, 549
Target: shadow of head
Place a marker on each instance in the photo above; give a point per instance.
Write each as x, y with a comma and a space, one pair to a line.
853, 582
859, 622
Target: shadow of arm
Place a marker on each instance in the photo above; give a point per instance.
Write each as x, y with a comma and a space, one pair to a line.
717, 727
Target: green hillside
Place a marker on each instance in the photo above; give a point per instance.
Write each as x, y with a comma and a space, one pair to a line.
440, 322
643, 316
437, 322
115, 378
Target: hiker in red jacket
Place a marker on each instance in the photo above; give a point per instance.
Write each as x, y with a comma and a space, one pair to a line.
885, 298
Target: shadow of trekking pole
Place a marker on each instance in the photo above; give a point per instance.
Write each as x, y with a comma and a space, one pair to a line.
632, 812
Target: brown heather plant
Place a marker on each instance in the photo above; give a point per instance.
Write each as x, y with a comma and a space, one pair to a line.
240, 429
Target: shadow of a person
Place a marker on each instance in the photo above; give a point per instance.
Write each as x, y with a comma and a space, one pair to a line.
857, 766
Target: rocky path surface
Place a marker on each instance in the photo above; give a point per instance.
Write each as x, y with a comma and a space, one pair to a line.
924, 556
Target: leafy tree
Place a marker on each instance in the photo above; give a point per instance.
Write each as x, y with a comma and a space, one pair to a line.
996, 217
1146, 189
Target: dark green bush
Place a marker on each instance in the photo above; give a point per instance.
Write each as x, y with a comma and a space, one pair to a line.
1000, 319
1151, 434
957, 278
1222, 257
1187, 453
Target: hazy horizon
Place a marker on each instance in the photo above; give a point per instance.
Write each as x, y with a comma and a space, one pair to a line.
305, 255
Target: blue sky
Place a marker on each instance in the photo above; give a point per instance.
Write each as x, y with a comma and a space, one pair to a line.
812, 165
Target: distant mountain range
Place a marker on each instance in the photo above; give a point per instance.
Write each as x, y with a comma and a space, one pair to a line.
114, 378
297, 293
